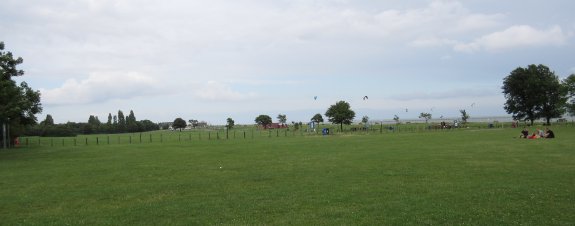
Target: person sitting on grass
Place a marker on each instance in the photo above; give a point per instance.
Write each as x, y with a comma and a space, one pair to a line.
524, 133
533, 136
540, 132
549, 133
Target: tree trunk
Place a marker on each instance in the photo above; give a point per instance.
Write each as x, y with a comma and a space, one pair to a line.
548, 121
341, 127
531, 121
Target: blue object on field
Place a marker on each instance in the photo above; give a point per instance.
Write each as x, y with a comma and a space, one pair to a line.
325, 131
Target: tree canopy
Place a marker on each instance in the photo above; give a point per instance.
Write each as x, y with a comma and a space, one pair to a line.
179, 123
340, 113
533, 92
263, 120
425, 115
282, 119
317, 118
19, 104
230, 123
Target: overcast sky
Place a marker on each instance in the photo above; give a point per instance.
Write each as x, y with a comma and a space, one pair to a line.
210, 60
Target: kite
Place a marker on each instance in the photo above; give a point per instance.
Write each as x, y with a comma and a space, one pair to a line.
315, 97
365, 98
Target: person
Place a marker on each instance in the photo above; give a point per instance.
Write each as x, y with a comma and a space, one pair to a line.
533, 136
549, 133
540, 132
524, 133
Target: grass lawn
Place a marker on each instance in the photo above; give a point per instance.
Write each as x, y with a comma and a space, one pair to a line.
477, 177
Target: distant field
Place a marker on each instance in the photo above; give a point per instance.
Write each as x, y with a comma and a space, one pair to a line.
468, 176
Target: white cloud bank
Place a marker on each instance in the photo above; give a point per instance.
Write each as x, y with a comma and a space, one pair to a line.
516, 37
101, 87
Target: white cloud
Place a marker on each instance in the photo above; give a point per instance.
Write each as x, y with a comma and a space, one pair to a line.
515, 37
102, 87
217, 91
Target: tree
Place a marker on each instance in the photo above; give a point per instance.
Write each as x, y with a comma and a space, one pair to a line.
121, 122
131, 123
396, 119
365, 119
230, 123
179, 123
533, 92
464, 116
425, 115
340, 113
19, 104
282, 119
569, 86
49, 121
317, 118
263, 120
193, 122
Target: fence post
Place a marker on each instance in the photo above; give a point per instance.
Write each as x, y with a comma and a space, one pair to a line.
140, 138
97, 141
51, 142
74, 141
86, 141
108, 138
244, 135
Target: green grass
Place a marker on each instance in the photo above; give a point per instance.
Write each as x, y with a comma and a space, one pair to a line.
477, 177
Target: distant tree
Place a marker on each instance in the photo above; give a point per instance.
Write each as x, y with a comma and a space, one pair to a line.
317, 118
365, 119
569, 86
282, 119
115, 121
94, 121
263, 120
464, 116
121, 122
19, 104
425, 115
109, 122
179, 123
148, 125
396, 119
131, 123
230, 123
194, 122
340, 113
295, 125
49, 121
534, 92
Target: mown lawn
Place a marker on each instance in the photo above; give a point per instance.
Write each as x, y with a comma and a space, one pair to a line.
477, 177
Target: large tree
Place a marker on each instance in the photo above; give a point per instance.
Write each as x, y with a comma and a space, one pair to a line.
179, 123
340, 113
532, 93
19, 104
263, 120
569, 85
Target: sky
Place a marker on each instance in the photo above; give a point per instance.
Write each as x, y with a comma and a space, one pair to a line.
210, 60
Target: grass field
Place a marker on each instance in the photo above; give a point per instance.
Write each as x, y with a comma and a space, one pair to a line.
476, 177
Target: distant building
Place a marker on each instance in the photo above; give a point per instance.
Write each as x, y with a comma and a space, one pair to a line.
275, 126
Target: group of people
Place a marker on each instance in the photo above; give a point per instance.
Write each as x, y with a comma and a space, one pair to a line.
537, 134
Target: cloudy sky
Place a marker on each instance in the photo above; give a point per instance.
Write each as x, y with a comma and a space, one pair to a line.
210, 60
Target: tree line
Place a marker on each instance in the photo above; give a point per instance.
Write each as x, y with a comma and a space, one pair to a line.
114, 124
